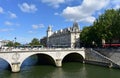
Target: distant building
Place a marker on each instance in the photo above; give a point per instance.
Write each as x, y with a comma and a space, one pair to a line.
43, 41
68, 37
3, 42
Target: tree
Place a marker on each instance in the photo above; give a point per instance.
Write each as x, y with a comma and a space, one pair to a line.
34, 41
106, 27
17, 44
86, 37
10, 44
116, 25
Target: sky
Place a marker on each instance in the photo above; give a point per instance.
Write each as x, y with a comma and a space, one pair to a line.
28, 19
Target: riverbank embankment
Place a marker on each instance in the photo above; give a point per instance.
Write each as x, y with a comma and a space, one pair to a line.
96, 58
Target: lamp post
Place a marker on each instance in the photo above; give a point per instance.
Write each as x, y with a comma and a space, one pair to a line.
93, 44
15, 42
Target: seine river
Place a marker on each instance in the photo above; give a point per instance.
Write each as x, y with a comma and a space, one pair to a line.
68, 70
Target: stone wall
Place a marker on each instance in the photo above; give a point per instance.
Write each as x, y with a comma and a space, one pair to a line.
113, 54
93, 57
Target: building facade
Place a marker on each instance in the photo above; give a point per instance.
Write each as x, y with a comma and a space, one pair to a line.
68, 37
3, 42
43, 41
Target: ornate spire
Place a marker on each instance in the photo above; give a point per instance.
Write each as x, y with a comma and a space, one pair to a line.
49, 31
75, 24
49, 28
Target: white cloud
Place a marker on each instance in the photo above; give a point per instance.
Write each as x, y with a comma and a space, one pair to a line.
1, 10
31, 32
25, 7
35, 26
56, 13
54, 3
115, 1
8, 23
12, 15
84, 11
6, 30
114, 4
117, 6
88, 19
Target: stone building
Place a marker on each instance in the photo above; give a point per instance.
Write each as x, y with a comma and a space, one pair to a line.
43, 41
68, 37
3, 42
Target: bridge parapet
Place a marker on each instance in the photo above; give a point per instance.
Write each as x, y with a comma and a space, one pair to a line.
38, 49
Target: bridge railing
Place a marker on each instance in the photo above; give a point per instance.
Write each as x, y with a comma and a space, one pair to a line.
36, 49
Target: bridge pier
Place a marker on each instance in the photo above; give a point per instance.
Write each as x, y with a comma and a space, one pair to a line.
15, 67
58, 62
83, 61
111, 65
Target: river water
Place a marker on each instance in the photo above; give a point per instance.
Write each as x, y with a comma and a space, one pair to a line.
68, 70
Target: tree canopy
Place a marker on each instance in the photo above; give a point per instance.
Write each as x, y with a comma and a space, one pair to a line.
13, 44
106, 27
34, 42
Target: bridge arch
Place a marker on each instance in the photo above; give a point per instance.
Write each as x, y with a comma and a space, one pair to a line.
44, 56
4, 62
73, 56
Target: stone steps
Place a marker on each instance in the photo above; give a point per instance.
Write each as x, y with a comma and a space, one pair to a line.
112, 54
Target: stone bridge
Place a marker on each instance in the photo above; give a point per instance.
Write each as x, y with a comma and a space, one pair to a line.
15, 57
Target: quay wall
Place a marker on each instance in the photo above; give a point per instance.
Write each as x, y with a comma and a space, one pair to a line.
112, 53
94, 57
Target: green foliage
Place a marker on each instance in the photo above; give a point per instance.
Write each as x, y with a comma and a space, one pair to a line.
34, 41
12, 44
116, 25
17, 44
107, 27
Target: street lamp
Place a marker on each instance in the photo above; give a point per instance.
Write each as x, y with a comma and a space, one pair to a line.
15, 42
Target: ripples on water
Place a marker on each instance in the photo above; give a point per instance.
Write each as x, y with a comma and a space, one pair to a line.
68, 70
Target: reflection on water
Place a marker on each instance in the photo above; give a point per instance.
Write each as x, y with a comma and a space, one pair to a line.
68, 70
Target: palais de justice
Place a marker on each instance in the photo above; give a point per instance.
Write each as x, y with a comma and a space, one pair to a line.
68, 37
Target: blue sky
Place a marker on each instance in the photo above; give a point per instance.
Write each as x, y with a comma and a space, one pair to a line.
28, 19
